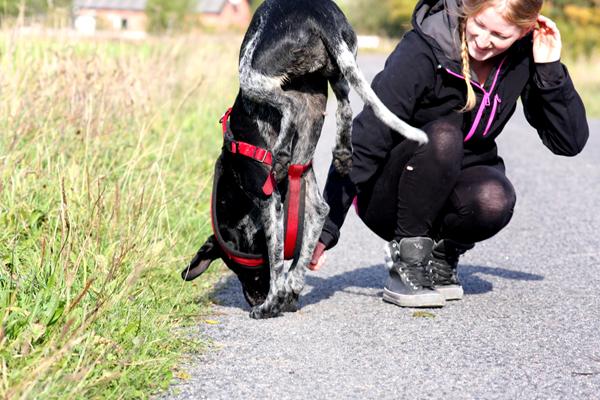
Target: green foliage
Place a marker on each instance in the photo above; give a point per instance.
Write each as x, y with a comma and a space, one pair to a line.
387, 17
31, 7
579, 24
254, 4
106, 154
168, 15
563, 3
400, 12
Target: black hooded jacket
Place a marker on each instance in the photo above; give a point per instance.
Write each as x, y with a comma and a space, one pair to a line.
422, 82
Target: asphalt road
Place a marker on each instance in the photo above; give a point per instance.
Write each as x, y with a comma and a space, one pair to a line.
528, 327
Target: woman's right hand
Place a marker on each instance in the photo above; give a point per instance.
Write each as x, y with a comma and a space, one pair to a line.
318, 257
547, 44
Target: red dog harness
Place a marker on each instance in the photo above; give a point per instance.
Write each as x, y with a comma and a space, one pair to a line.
294, 199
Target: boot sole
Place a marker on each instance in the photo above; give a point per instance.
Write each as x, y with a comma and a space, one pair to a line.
428, 300
450, 292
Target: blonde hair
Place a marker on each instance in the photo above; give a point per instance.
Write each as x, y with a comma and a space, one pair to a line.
521, 13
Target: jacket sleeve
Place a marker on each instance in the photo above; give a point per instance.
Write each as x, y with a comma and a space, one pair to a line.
408, 75
553, 107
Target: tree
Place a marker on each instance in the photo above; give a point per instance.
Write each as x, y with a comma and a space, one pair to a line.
387, 17
167, 15
31, 7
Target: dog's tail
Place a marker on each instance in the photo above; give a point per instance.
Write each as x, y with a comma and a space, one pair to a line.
347, 64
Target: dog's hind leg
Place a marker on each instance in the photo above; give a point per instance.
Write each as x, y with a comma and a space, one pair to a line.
272, 218
342, 152
290, 106
316, 210
265, 89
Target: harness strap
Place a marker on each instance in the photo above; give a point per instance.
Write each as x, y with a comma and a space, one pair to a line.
249, 150
295, 173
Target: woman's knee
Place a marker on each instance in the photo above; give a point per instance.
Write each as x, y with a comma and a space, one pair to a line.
495, 203
481, 205
445, 143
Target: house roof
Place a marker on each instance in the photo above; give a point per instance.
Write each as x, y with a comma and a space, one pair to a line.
130, 5
209, 6
201, 6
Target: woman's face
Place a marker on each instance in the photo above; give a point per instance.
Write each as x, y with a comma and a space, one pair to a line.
489, 34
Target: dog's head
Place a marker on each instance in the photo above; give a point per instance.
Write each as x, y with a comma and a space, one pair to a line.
254, 280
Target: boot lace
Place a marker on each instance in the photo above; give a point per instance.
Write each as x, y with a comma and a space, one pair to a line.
441, 272
416, 274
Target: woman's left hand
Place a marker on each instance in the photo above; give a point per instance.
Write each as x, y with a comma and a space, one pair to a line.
318, 258
546, 41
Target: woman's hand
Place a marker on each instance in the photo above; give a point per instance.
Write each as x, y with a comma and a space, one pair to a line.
318, 257
546, 41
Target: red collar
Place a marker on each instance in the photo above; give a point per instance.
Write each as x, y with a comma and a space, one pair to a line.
246, 149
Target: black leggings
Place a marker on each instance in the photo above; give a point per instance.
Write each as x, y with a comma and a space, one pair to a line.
424, 191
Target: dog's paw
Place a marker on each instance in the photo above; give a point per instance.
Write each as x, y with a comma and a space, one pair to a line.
342, 160
281, 164
254, 296
291, 304
280, 170
256, 313
261, 312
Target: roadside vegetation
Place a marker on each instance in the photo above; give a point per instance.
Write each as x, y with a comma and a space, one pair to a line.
106, 151
586, 77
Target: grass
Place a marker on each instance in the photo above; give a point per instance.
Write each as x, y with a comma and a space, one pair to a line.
106, 155
586, 77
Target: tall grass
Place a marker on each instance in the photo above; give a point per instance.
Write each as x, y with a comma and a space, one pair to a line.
586, 77
106, 151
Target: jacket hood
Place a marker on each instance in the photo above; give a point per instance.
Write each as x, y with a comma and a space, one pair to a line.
437, 21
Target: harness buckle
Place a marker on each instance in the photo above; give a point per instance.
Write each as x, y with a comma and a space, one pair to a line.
264, 156
233, 146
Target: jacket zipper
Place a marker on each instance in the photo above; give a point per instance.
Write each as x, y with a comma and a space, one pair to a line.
485, 102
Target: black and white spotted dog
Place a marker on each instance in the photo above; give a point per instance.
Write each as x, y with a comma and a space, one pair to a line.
291, 51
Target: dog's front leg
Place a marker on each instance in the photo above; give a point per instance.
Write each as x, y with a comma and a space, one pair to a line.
272, 218
315, 213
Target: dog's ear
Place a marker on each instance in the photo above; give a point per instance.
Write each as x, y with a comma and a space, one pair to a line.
195, 269
201, 261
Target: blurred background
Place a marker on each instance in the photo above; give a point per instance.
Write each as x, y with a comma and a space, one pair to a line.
379, 23
108, 133
579, 20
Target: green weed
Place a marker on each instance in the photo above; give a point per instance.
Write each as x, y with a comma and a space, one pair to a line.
106, 152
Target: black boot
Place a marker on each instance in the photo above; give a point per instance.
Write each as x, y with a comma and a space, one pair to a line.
443, 267
409, 283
